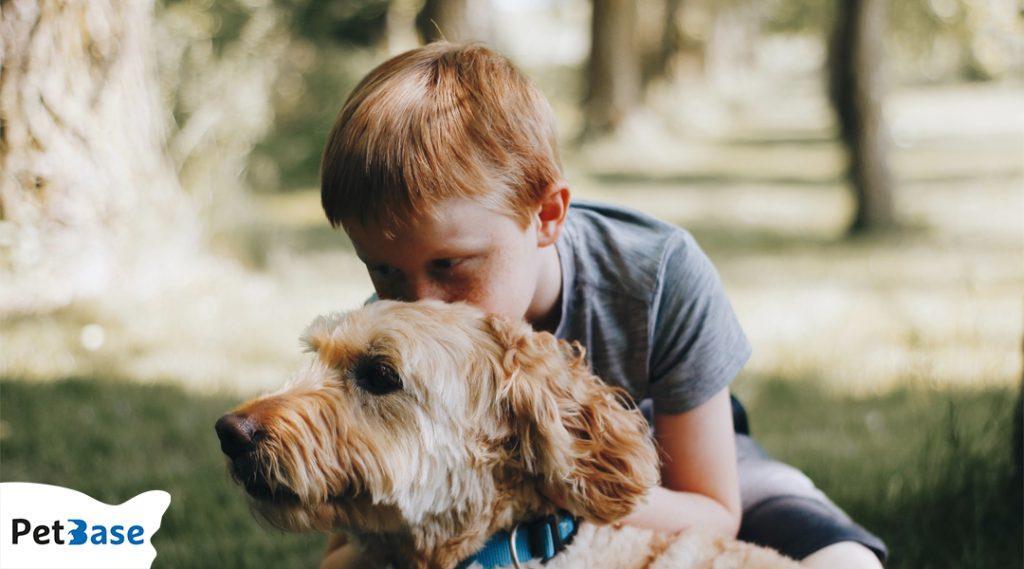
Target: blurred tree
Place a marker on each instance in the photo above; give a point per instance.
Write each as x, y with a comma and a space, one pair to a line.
352, 22
454, 20
657, 59
926, 40
401, 25
695, 30
392, 24
220, 68
1018, 425
443, 19
328, 46
88, 196
613, 70
856, 92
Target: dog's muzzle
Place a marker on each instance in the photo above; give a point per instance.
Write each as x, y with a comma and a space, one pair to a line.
239, 440
238, 435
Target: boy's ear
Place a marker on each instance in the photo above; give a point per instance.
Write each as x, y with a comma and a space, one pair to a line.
551, 212
573, 431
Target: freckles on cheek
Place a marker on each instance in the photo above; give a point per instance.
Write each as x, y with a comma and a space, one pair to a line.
474, 292
472, 287
498, 290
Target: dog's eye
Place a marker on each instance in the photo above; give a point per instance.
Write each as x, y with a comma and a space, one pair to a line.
377, 377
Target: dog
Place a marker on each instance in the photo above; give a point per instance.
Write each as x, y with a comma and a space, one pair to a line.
427, 432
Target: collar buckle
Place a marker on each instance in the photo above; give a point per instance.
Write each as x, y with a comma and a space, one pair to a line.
539, 543
512, 546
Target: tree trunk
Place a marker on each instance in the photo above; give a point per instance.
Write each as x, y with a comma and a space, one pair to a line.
856, 92
88, 197
1018, 437
401, 26
454, 20
658, 62
613, 72
442, 19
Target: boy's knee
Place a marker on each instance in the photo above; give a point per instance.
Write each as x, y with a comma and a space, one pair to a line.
843, 555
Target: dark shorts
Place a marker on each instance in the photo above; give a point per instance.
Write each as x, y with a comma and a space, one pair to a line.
782, 508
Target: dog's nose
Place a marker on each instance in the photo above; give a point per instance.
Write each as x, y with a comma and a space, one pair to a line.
236, 434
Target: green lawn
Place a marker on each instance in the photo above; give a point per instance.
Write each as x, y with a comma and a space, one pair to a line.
929, 471
115, 440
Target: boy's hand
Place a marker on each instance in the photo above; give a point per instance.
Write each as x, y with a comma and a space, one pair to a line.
557, 499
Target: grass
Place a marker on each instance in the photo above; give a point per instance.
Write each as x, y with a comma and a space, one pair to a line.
929, 471
114, 440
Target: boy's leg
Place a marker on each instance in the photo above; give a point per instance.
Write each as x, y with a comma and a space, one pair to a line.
782, 509
842, 555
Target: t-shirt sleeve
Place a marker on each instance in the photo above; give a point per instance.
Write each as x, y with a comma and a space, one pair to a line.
697, 345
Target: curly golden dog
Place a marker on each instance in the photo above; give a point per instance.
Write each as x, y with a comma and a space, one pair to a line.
419, 430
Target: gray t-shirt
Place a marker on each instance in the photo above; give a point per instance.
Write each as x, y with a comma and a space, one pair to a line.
644, 300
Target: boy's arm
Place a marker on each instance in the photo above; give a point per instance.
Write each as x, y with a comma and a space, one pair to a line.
700, 483
344, 554
697, 348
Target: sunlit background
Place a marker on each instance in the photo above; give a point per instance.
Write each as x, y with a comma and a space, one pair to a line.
160, 224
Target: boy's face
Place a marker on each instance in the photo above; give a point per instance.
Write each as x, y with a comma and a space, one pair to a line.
467, 252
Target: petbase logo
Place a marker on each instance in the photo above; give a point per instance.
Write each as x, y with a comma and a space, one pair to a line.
44, 534
55, 527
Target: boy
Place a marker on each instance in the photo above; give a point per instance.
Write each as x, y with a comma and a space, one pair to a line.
443, 169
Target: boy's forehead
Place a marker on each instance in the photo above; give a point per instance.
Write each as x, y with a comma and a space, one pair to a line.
456, 223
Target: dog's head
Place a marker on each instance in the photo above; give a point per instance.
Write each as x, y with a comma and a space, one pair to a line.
429, 414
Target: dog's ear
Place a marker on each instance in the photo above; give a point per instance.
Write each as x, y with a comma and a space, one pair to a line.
573, 430
322, 337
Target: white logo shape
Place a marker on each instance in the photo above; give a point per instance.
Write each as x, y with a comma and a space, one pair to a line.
59, 528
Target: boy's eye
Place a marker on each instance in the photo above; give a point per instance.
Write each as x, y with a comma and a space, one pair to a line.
382, 270
445, 264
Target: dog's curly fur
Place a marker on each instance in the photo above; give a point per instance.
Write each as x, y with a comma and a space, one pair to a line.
489, 418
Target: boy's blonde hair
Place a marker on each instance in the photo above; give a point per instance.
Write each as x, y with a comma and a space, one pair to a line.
440, 121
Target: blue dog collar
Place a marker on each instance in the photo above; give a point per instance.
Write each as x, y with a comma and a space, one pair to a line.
542, 539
